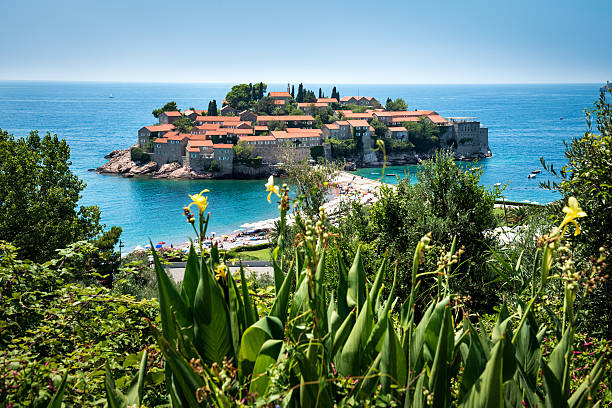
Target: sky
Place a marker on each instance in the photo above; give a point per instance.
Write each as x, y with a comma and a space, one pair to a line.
412, 42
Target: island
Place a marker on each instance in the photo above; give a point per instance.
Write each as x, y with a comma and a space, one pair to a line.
254, 133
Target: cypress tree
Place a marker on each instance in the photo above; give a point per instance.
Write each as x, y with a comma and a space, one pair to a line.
300, 95
261, 90
251, 93
320, 93
212, 108
293, 91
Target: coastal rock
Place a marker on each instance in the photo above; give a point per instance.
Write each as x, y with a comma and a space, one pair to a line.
120, 162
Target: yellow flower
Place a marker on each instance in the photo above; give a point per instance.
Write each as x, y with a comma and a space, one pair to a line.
220, 272
199, 200
572, 212
272, 188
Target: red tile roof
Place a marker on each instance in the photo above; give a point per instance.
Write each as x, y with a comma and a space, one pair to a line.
358, 123
173, 113
347, 98
281, 134
315, 104
327, 100
161, 140
200, 143
261, 128
332, 126
279, 102
341, 123
223, 146
192, 149
217, 119
256, 138
286, 118
300, 130
160, 128
397, 129
279, 95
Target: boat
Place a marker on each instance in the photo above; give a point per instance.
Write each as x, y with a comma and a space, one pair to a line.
111, 96
531, 176
536, 171
391, 175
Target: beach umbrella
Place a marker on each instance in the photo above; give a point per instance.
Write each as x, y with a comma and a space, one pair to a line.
158, 246
147, 246
138, 248
226, 236
161, 243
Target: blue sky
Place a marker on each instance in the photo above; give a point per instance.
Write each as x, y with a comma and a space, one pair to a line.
469, 41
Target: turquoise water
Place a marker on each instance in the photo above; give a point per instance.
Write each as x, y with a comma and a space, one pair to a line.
524, 124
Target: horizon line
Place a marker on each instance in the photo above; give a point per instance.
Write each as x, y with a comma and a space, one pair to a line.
303, 82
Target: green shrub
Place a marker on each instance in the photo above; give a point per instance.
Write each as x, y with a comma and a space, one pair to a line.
138, 155
215, 166
316, 152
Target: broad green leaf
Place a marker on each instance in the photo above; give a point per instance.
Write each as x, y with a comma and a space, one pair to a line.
552, 387
343, 332
475, 360
356, 293
114, 398
136, 390
375, 289
236, 316
249, 307
588, 389
367, 385
350, 358
559, 362
185, 380
279, 276
267, 357
393, 360
170, 302
212, 333
432, 330
191, 277
281, 302
266, 328
487, 391
438, 377
342, 291
313, 391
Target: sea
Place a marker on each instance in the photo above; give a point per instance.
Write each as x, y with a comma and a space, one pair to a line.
526, 122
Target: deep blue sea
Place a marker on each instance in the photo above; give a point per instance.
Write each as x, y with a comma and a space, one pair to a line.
524, 124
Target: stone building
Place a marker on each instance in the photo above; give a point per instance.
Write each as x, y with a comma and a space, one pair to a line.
467, 137
224, 155
169, 117
397, 132
147, 133
304, 121
227, 111
359, 100
199, 155
170, 148
263, 146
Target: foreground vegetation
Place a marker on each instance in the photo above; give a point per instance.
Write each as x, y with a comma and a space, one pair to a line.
412, 301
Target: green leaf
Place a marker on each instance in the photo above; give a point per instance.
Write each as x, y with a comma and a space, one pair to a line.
552, 386
343, 333
588, 389
375, 289
114, 398
438, 377
170, 301
475, 360
356, 293
212, 333
236, 312
342, 290
191, 277
266, 328
279, 276
487, 391
58, 397
368, 384
281, 302
350, 358
559, 362
249, 307
267, 357
393, 361
136, 390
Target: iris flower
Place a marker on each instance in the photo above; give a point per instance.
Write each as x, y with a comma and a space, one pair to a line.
199, 200
272, 188
572, 211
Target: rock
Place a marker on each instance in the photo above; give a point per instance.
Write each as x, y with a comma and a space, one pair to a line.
350, 166
121, 163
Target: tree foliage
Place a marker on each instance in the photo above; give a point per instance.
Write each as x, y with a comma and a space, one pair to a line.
39, 196
424, 134
397, 105
183, 125
212, 108
588, 177
169, 107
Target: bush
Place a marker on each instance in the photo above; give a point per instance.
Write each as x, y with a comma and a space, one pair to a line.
448, 202
343, 149
137, 155
215, 166
588, 177
316, 152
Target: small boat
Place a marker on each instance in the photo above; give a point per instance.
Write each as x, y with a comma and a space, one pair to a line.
531, 176
561, 118
111, 96
536, 171
391, 175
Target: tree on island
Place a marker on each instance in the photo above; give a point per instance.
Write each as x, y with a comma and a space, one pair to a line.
320, 93
183, 124
293, 91
244, 151
169, 107
397, 105
212, 108
239, 97
259, 90
335, 94
265, 105
300, 93
40, 196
